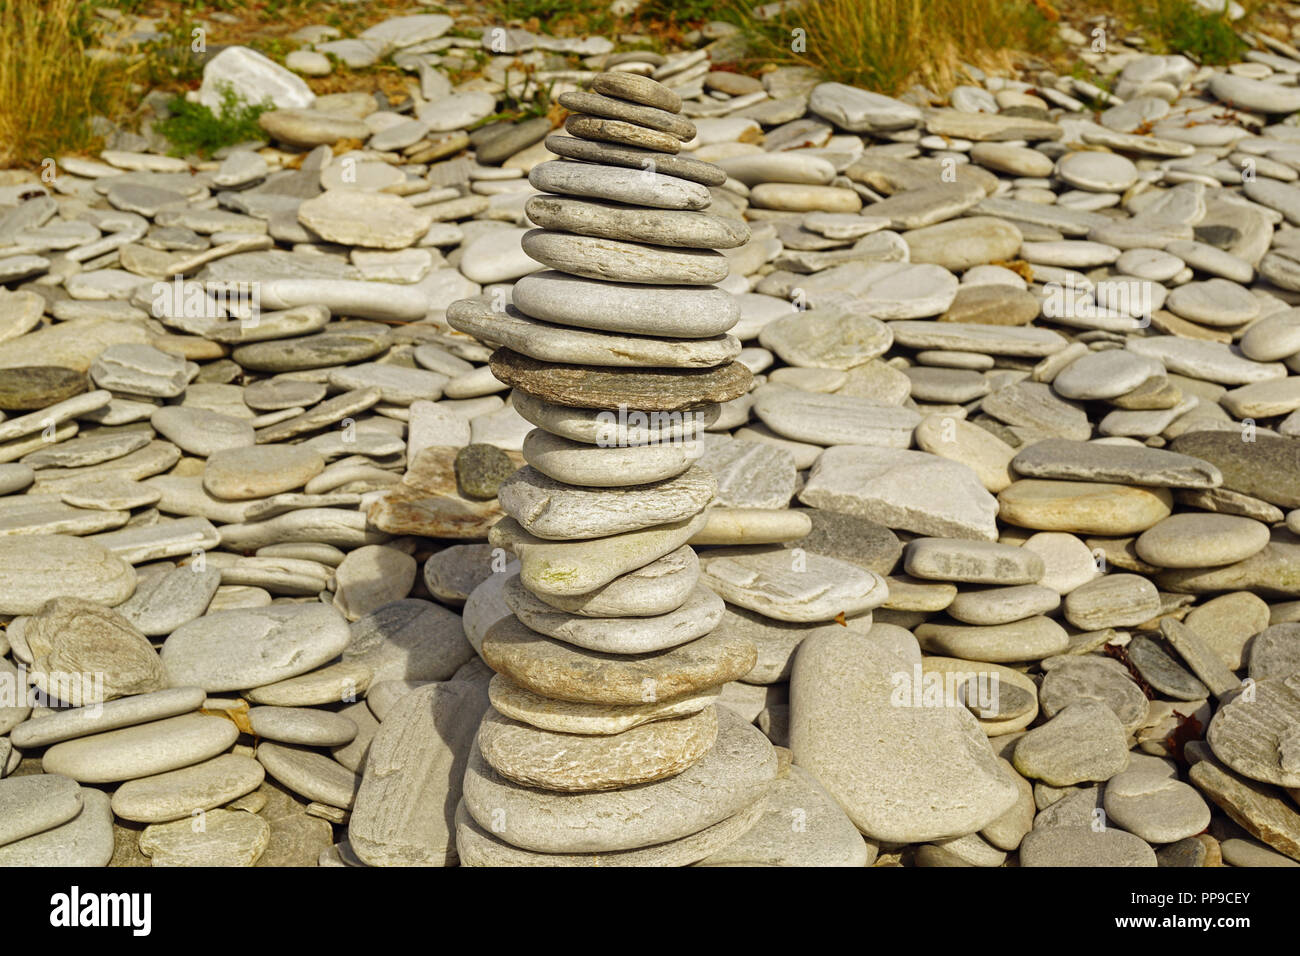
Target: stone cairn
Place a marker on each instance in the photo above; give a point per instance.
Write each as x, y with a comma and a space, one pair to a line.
603, 741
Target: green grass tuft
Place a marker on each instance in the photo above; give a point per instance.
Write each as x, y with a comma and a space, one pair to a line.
887, 45
1180, 26
50, 87
193, 128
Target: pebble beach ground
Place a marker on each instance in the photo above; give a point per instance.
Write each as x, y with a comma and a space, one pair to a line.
733, 471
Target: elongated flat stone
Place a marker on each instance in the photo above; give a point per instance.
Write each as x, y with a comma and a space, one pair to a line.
87, 451
1195, 540
595, 104
1084, 846
1002, 605
1162, 672
125, 712
1267, 468
326, 413
1211, 361
555, 669
606, 465
313, 351
165, 539
39, 386
615, 429
141, 750
698, 616
987, 127
1098, 461
310, 774
55, 414
657, 588
35, 568
567, 763
970, 337
903, 489
305, 726
1260, 809
1272, 572
776, 585
326, 685
611, 154
48, 514
404, 813
479, 847
660, 227
834, 419
597, 258
672, 311
551, 509
35, 803
610, 389
1200, 657
971, 562
179, 794
1030, 639
556, 343
234, 650
642, 187
573, 568
578, 717
153, 458
617, 131
1083, 507
733, 775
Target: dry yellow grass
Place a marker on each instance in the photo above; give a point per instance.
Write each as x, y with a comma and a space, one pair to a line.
885, 45
49, 88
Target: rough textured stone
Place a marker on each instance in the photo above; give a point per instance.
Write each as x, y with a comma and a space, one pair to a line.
735, 773
902, 773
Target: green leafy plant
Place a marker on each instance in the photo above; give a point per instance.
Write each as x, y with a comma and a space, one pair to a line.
193, 128
274, 48
1180, 26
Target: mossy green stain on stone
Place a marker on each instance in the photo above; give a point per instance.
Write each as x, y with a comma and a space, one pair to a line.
480, 469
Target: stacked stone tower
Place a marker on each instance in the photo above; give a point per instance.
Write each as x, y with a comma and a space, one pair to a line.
603, 743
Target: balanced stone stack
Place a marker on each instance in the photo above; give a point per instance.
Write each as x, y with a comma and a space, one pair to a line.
603, 742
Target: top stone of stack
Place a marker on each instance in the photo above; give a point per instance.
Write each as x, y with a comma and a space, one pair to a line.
637, 89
